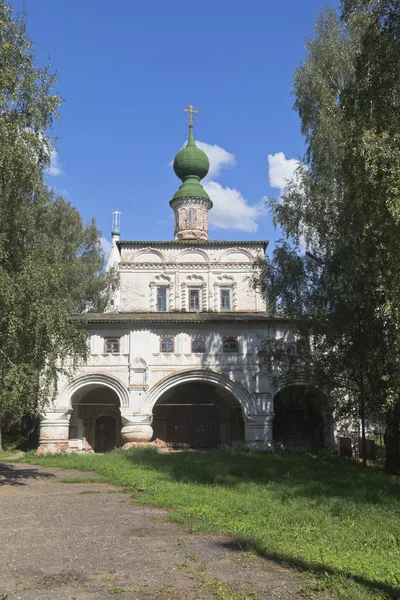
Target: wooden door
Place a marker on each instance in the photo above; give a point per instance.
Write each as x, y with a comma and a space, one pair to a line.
195, 425
105, 434
179, 425
205, 426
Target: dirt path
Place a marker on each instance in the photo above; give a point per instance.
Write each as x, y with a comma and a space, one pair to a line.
83, 541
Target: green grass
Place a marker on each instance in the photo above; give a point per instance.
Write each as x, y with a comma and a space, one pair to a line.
321, 514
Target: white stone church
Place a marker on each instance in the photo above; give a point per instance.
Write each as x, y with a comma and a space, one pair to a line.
175, 359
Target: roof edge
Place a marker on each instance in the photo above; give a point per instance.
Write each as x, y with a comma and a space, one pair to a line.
175, 317
196, 242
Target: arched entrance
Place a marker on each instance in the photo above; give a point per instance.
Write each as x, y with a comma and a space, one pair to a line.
300, 421
96, 417
198, 414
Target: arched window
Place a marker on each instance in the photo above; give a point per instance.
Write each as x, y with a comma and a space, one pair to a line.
191, 217
182, 218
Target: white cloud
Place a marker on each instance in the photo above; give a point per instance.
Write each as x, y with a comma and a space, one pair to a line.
106, 247
218, 157
281, 169
55, 168
231, 210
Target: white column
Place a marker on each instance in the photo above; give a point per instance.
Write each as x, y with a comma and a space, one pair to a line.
54, 432
136, 429
259, 421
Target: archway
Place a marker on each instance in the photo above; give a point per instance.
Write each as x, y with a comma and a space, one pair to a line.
198, 414
301, 418
96, 417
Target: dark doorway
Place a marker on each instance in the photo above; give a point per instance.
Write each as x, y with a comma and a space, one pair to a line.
96, 418
299, 422
198, 415
105, 438
195, 425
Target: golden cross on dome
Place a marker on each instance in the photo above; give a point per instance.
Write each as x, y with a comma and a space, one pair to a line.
192, 111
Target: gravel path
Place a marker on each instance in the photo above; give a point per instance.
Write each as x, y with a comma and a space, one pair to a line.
83, 541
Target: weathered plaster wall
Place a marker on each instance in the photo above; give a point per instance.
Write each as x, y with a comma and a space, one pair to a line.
206, 268
139, 372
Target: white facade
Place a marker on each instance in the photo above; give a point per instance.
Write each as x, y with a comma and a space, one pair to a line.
139, 373
179, 267
176, 356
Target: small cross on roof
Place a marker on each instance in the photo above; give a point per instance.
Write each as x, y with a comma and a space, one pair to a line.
192, 111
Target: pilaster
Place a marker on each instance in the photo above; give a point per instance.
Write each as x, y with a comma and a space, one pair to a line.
258, 432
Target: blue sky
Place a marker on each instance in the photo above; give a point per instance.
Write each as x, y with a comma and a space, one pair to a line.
127, 69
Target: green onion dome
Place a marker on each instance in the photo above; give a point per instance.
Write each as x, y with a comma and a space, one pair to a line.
191, 165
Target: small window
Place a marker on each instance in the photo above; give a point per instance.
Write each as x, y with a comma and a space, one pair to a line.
167, 344
230, 344
199, 343
162, 299
111, 345
194, 300
225, 300
191, 217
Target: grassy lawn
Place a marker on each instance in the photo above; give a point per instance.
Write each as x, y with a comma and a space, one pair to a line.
322, 515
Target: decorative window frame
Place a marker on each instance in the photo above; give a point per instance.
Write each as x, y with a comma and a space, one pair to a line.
112, 340
194, 337
157, 291
169, 337
195, 289
194, 282
229, 290
161, 281
230, 337
226, 282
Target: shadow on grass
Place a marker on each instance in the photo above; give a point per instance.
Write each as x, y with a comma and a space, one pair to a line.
242, 542
18, 442
11, 475
309, 476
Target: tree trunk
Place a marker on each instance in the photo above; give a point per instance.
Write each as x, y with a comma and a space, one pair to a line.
362, 416
1, 440
392, 445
